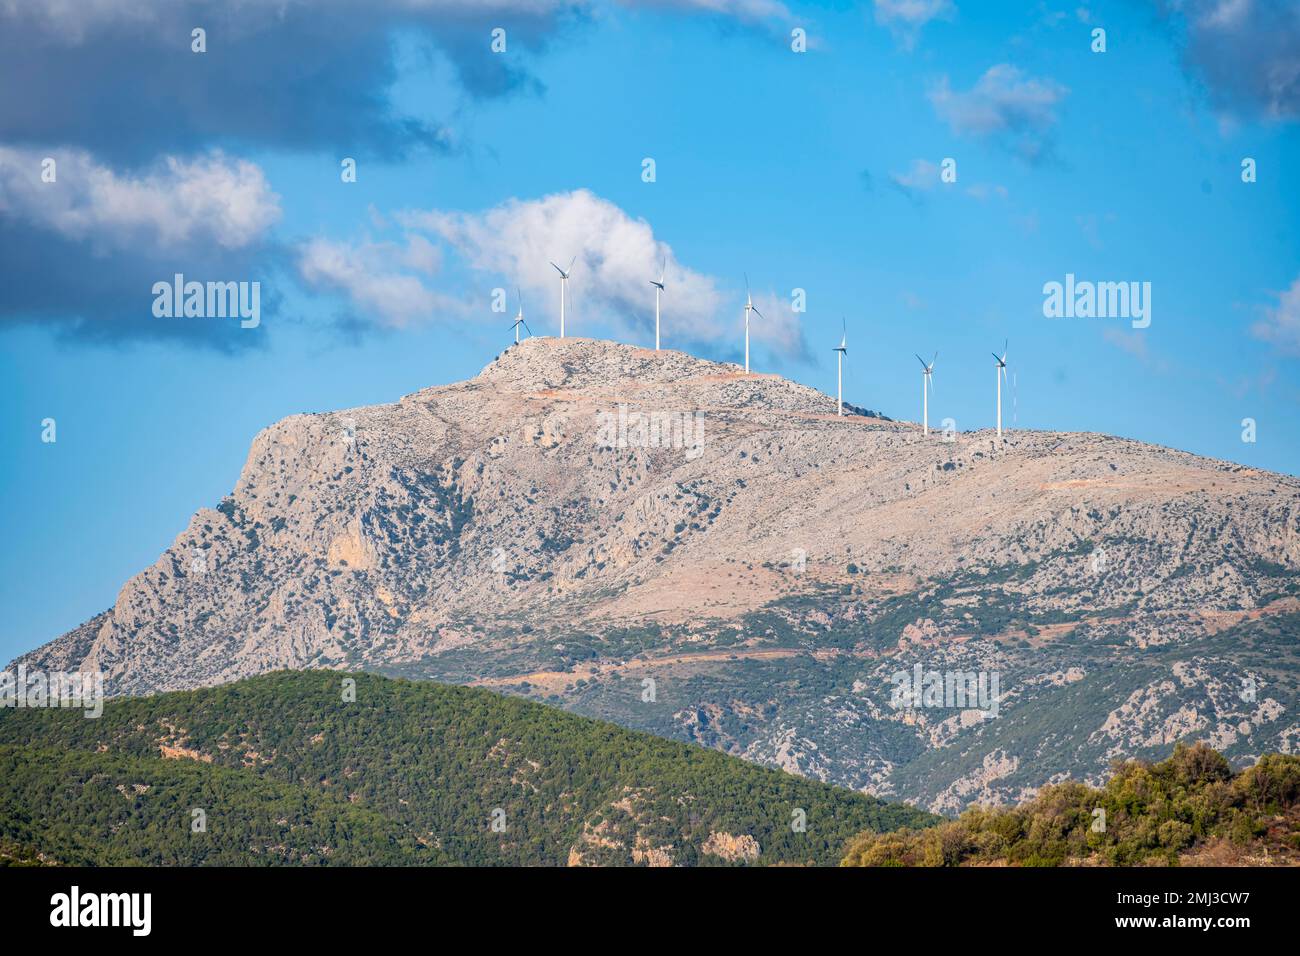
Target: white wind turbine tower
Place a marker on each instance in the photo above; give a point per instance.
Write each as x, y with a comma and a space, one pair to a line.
926, 385
842, 351
1001, 373
519, 319
659, 288
749, 307
564, 285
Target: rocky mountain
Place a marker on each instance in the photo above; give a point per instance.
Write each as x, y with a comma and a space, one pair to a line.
680, 547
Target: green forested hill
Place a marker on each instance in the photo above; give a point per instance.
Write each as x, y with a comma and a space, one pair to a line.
288, 772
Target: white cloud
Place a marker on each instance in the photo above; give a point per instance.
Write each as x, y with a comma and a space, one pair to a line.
210, 199
616, 258
379, 279
922, 175
906, 17
1003, 104
1281, 323
513, 244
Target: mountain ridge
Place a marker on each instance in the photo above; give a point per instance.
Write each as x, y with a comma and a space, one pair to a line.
770, 576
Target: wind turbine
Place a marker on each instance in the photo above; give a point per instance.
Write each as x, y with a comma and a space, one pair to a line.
926, 385
1001, 373
519, 319
842, 351
659, 287
564, 285
749, 307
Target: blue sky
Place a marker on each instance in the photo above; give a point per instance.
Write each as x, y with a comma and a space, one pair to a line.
816, 171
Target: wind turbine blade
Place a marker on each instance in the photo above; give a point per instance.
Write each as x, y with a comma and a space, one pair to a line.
525, 325
921, 360
996, 359
754, 309
936, 355
571, 262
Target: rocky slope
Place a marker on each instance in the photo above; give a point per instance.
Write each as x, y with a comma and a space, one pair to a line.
680, 547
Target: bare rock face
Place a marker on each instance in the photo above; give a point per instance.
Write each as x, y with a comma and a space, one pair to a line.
731, 848
679, 546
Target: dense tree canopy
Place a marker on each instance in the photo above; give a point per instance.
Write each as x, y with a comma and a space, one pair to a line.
288, 771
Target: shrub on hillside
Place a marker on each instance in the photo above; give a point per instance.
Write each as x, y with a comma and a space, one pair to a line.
1146, 813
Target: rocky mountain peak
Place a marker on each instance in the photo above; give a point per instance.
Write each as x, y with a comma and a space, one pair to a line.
583, 516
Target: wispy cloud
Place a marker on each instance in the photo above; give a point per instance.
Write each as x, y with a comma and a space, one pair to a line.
905, 18
1134, 343
921, 176
383, 282
986, 191
1281, 323
1137, 344
1004, 105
